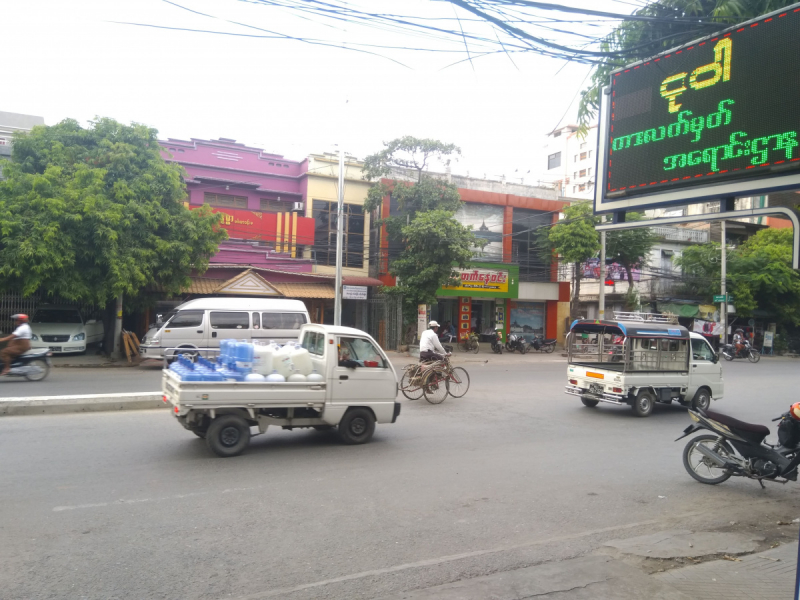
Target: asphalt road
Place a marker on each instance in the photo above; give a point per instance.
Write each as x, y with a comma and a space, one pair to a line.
69, 381
129, 505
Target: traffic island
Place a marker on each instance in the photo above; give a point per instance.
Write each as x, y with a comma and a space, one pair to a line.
50, 405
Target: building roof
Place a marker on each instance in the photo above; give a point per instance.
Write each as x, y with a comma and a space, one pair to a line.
306, 290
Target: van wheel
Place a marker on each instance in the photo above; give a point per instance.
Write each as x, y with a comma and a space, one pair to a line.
702, 399
228, 435
357, 426
643, 404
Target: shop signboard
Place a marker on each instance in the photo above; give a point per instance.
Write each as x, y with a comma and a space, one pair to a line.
768, 338
485, 281
286, 229
354, 292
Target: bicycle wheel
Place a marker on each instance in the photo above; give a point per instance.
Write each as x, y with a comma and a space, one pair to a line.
435, 388
463, 346
475, 347
458, 382
411, 389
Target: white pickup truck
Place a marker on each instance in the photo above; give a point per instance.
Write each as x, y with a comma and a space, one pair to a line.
356, 393
640, 363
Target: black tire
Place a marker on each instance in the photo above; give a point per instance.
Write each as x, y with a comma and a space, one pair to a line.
508, 347
644, 403
458, 382
201, 433
753, 356
701, 400
726, 354
523, 348
357, 426
42, 370
228, 435
409, 390
718, 446
589, 402
550, 348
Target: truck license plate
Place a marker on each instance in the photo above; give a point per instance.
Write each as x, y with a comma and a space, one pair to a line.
596, 388
55, 348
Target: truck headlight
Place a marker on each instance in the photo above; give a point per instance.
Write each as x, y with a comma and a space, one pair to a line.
79, 337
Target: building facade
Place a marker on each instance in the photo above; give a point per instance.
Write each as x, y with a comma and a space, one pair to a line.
11, 123
571, 161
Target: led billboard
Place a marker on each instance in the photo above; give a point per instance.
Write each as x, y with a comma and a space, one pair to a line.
717, 116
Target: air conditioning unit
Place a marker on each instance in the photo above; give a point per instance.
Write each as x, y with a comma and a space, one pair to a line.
297, 207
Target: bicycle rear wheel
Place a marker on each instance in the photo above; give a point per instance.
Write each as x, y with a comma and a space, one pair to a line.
410, 385
435, 388
458, 382
475, 347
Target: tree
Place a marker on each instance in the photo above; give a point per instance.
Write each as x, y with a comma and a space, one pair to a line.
430, 240
576, 241
91, 213
643, 39
759, 275
630, 248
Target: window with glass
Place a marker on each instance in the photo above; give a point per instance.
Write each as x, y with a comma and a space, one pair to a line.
230, 320
314, 342
583, 155
529, 249
325, 217
361, 351
186, 318
225, 200
554, 160
273, 320
702, 351
270, 205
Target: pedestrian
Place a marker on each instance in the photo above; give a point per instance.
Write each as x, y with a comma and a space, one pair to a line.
19, 342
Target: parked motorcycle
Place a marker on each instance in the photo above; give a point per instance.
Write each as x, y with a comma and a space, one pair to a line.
497, 342
737, 449
543, 345
516, 343
729, 352
34, 365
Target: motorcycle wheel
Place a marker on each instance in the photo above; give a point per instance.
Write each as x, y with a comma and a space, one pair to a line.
42, 369
550, 348
726, 354
508, 347
694, 461
753, 356
523, 348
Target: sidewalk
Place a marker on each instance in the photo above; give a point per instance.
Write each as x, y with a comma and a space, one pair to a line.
90, 360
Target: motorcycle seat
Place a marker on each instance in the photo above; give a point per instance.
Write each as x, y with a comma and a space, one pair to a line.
737, 424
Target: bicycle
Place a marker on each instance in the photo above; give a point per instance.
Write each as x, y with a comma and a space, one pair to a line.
469, 344
434, 381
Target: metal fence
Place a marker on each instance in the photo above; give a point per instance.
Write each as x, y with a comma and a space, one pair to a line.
384, 320
11, 304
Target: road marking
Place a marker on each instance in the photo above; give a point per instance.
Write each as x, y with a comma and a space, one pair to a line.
126, 502
116, 396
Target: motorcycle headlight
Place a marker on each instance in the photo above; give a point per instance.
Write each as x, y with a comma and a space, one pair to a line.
34, 337
79, 337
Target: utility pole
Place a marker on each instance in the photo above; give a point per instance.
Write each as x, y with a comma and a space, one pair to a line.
601, 301
723, 291
337, 303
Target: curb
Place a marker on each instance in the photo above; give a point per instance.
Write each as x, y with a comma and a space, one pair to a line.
52, 405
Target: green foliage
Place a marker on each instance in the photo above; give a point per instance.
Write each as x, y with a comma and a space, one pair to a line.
630, 247
89, 214
575, 238
433, 241
759, 275
635, 40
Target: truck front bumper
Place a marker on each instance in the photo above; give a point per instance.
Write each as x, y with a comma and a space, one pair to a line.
574, 390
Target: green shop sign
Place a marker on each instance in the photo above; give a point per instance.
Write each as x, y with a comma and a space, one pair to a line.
485, 280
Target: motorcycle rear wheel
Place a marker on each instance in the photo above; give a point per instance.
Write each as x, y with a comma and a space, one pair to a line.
550, 348
753, 356
726, 354
690, 453
42, 369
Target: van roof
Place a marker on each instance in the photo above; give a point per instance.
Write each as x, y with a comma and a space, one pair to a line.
632, 328
224, 303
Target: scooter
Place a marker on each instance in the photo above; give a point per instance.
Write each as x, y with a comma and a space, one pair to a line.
543, 345
33, 365
497, 342
516, 342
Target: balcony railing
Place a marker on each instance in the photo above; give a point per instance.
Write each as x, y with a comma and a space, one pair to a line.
680, 234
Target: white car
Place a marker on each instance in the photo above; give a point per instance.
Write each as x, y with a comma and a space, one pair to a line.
63, 329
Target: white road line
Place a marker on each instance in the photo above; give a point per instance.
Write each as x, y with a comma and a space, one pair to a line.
116, 396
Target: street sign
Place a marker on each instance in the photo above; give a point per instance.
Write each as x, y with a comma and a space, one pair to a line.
354, 292
716, 117
721, 298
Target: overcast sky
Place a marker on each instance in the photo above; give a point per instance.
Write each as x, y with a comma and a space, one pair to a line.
70, 59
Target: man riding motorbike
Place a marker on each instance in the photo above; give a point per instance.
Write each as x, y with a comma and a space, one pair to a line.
429, 346
738, 341
19, 342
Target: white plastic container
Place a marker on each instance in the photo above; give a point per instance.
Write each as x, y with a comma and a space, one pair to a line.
254, 377
301, 359
275, 377
296, 377
282, 362
263, 358
315, 377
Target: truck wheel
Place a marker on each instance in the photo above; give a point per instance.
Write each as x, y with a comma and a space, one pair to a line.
643, 404
357, 426
702, 399
589, 402
228, 435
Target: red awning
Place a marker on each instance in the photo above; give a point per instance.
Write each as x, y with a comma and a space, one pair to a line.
358, 280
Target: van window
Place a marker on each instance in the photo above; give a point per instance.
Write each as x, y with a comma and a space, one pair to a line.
186, 318
256, 321
273, 320
701, 350
230, 320
314, 342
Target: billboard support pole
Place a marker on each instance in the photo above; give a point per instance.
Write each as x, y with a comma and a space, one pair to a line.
724, 274
601, 299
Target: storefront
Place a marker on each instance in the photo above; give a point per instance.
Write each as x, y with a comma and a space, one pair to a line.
479, 302
527, 319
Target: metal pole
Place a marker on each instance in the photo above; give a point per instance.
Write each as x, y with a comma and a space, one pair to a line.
723, 291
117, 351
337, 303
601, 304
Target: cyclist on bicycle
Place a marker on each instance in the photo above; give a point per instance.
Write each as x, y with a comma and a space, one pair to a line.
429, 346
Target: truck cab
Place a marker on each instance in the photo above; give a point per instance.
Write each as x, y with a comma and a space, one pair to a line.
641, 363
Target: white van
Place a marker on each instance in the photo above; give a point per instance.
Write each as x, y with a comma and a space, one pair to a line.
202, 323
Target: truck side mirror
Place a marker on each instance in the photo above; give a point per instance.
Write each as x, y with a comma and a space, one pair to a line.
715, 358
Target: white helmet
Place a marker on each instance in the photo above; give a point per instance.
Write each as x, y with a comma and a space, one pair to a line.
433, 324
